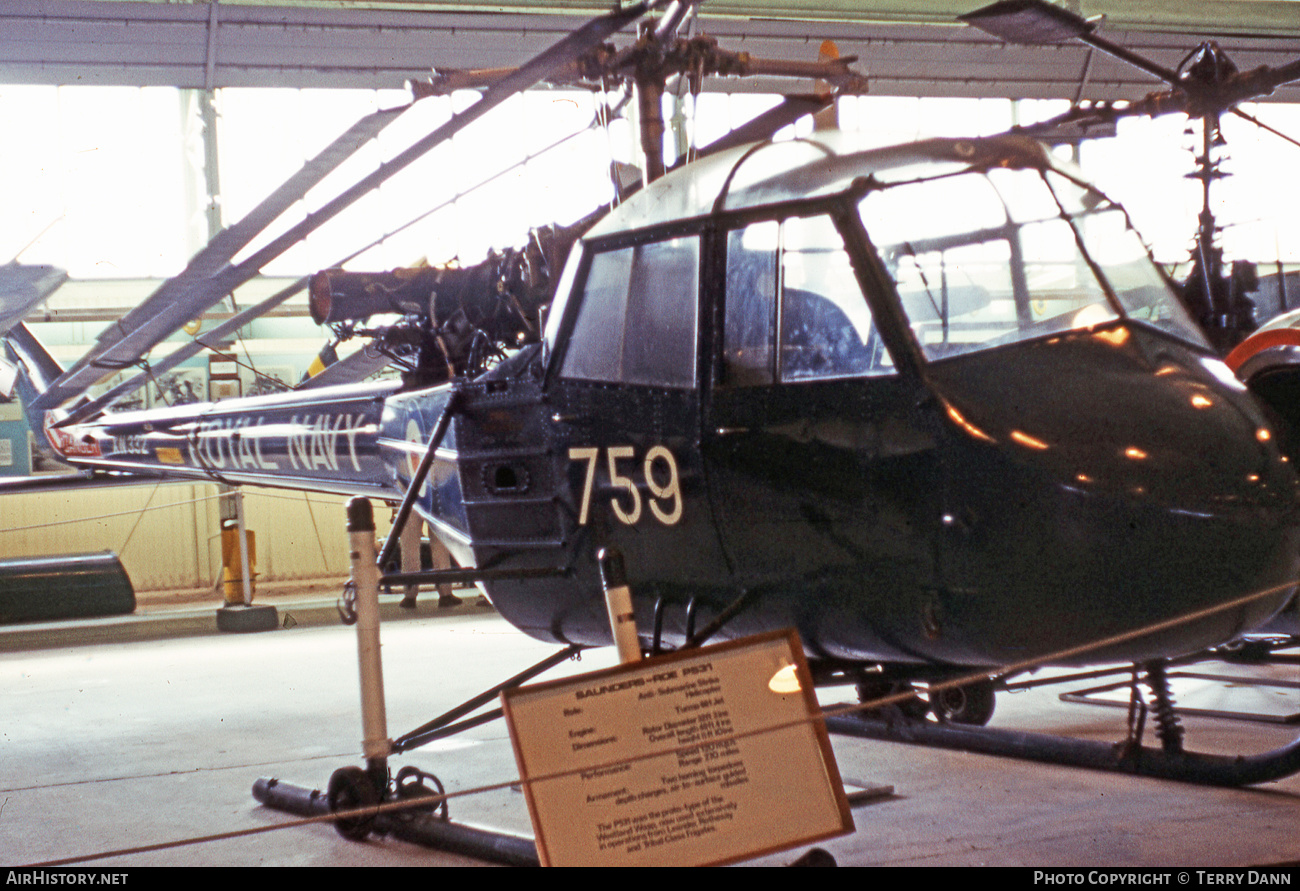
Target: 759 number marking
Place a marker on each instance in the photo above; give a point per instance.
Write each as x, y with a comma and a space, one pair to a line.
665, 501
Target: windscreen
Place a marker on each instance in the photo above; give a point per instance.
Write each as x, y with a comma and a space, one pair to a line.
986, 258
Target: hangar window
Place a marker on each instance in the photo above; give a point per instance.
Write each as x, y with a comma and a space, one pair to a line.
636, 319
794, 309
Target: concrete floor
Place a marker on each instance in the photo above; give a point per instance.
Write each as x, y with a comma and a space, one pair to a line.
150, 730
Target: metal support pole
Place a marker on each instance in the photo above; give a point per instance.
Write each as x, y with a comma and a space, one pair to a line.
442, 725
375, 744
618, 600
246, 575
237, 612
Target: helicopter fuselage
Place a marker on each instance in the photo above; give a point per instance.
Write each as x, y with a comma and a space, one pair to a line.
913, 402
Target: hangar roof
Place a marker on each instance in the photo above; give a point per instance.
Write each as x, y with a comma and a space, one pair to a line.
906, 47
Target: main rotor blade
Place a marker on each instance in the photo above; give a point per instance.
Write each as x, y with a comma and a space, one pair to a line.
1039, 22
1263, 126
23, 288
1208, 100
792, 108
185, 351
188, 294
1083, 117
124, 344
85, 410
1240, 87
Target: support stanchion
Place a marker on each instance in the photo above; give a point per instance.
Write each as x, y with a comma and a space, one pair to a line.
238, 612
375, 745
618, 600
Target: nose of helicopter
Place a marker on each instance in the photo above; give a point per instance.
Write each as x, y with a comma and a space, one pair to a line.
1101, 482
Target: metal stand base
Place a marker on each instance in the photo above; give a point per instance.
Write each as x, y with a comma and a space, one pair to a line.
1188, 767
413, 827
240, 618
1108, 695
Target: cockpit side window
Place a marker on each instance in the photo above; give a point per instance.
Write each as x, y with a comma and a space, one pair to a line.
794, 309
636, 319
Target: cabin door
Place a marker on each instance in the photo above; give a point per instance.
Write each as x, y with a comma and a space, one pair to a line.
626, 404
821, 469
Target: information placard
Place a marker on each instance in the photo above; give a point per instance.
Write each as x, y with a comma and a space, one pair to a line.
701, 757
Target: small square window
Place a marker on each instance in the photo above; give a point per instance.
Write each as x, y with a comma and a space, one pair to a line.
637, 316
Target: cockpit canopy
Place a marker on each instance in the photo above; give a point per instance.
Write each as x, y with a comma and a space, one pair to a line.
836, 258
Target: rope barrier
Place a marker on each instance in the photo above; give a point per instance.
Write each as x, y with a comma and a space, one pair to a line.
124, 513
433, 800
147, 507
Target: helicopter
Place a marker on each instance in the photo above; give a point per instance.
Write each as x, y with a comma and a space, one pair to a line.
1205, 85
931, 405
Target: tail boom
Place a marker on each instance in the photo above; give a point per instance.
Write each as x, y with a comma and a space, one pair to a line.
326, 440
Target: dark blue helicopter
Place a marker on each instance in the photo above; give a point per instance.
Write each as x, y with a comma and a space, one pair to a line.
932, 405
927, 404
